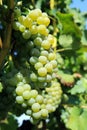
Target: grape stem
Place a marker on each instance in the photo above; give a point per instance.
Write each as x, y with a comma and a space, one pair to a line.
7, 35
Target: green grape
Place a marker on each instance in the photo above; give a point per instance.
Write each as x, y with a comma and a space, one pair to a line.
34, 14
33, 60
16, 25
39, 99
41, 79
22, 28
42, 30
38, 41
42, 71
35, 107
45, 22
31, 101
19, 99
26, 94
21, 19
17, 12
26, 34
44, 53
51, 56
19, 90
38, 65
30, 45
34, 93
36, 115
49, 67
33, 29
48, 78
35, 52
46, 44
26, 87
44, 113
42, 59
54, 63
24, 105
50, 108
27, 22
28, 112
33, 77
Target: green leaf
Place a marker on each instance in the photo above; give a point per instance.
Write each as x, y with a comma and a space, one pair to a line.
77, 119
69, 27
10, 124
80, 87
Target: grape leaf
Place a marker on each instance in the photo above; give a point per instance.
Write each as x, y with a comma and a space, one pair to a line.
10, 124
80, 87
77, 119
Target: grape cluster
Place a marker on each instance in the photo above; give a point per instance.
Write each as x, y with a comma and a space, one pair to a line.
40, 94
37, 105
41, 55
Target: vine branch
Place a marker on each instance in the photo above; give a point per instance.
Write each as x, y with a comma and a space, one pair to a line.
7, 35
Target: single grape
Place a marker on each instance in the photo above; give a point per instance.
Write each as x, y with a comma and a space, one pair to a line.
27, 22
26, 87
31, 101
38, 41
26, 34
33, 77
46, 44
28, 112
19, 99
34, 93
41, 79
35, 52
38, 65
36, 107
33, 60
27, 94
51, 56
44, 113
49, 67
33, 29
19, 90
44, 53
54, 63
36, 115
42, 59
42, 30
42, 71
39, 99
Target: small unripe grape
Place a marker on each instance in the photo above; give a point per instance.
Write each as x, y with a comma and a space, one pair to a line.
42, 71
38, 41
19, 99
29, 112
24, 105
37, 115
51, 56
21, 19
27, 87
39, 99
38, 65
34, 93
33, 29
33, 60
26, 94
16, 25
41, 79
48, 78
36, 107
43, 59
49, 67
30, 45
44, 113
21, 28
19, 90
27, 22
31, 101
42, 30
54, 63
33, 77
34, 14
44, 53
35, 52
46, 44
26, 34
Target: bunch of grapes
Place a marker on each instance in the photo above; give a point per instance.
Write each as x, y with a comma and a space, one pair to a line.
38, 92
38, 105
